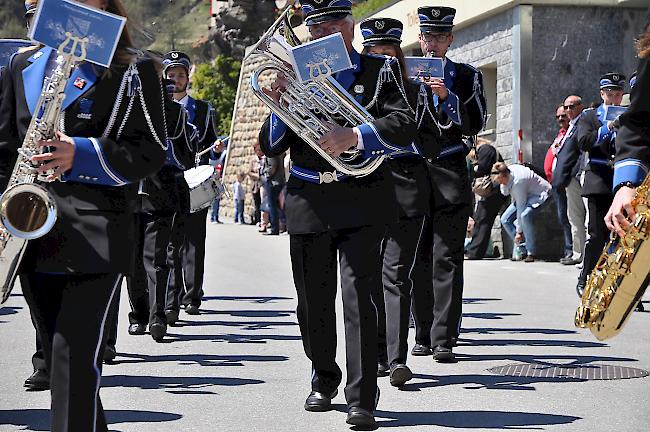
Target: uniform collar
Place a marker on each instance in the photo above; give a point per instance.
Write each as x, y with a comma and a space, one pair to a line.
347, 77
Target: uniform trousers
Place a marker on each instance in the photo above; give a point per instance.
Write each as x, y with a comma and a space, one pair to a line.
314, 262
187, 253
147, 285
487, 210
598, 233
392, 297
71, 312
438, 281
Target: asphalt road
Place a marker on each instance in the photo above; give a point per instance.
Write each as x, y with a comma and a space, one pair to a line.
239, 366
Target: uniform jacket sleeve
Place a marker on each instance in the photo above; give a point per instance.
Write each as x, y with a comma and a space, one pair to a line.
8, 133
275, 136
467, 107
136, 149
588, 127
183, 136
633, 138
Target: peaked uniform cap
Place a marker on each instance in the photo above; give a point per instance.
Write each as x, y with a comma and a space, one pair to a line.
381, 31
436, 19
320, 11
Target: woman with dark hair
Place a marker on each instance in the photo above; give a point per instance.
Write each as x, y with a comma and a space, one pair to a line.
110, 136
632, 144
382, 36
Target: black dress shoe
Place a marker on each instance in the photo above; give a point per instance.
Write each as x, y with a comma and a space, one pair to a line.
38, 381
137, 329
318, 402
580, 289
109, 355
158, 331
171, 316
361, 418
399, 374
382, 368
271, 233
639, 307
442, 354
192, 310
421, 350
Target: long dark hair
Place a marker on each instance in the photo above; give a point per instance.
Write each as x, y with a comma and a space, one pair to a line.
643, 44
400, 59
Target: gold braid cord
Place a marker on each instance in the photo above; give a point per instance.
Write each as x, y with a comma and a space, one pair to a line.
618, 281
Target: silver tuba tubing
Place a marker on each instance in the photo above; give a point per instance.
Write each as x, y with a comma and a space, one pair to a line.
312, 108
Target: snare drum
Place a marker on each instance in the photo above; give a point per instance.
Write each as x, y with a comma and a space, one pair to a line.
204, 186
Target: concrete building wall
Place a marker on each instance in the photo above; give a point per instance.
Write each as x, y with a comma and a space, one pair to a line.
573, 47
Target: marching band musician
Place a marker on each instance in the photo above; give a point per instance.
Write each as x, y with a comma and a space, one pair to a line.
329, 213
158, 202
187, 249
382, 36
69, 275
460, 103
597, 137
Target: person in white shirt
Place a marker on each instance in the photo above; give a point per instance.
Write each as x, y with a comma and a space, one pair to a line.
528, 191
239, 194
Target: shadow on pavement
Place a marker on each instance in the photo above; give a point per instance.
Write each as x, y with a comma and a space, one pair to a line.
251, 313
479, 301
548, 359
39, 419
245, 325
496, 330
532, 342
479, 382
229, 338
200, 359
9, 310
472, 419
195, 384
261, 300
489, 315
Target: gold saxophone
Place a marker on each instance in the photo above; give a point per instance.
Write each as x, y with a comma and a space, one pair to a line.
27, 210
618, 281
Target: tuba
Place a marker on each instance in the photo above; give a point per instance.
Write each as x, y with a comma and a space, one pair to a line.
618, 281
309, 109
27, 210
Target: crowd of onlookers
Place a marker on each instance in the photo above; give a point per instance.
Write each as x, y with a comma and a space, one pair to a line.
267, 183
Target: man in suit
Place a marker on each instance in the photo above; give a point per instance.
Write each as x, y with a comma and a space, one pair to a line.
565, 181
330, 214
597, 137
460, 103
187, 250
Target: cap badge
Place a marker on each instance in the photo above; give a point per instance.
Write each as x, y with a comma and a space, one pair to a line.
435, 13
615, 77
319, 1
174, 55
379, 25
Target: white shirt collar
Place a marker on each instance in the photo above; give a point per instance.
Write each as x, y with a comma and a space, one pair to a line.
185, 100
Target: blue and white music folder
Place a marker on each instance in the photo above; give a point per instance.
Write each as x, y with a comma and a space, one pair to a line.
54, 18
612, 112
320, 58
419, 68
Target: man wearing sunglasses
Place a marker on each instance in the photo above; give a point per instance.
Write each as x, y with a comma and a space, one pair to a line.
597, 136
460, 104
568, 170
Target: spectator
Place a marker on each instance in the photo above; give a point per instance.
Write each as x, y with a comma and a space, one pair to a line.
568, 170
273, 170
528, 192
550, 163
488, 207
254, 175
239, 194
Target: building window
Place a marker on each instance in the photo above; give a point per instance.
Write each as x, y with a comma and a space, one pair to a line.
489, 72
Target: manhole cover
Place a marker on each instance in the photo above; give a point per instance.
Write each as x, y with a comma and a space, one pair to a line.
582, 372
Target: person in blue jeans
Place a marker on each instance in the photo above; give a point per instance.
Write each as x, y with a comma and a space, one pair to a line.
528, 191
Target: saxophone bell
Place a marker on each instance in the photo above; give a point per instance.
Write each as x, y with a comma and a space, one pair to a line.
27, 211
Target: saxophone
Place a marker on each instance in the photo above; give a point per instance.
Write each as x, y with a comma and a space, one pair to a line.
618, 281
27, 210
